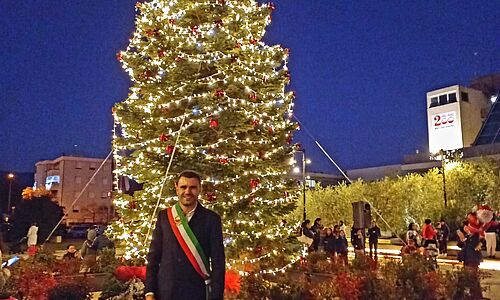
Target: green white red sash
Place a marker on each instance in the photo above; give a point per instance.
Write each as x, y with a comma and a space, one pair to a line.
188, 241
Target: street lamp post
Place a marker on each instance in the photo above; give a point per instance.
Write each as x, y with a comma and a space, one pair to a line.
444, 183
10, 177
304, 180
296, 170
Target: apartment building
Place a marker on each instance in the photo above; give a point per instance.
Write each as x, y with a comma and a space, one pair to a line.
66, 178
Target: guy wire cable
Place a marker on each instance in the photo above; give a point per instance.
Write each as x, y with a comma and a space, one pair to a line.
153, 215
346, 177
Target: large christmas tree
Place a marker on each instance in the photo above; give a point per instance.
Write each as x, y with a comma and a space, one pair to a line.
209, 95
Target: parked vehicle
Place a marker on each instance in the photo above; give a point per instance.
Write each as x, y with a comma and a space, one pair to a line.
78, 231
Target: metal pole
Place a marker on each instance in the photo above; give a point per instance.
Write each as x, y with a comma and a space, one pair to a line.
444, 187
304, 180
10, 193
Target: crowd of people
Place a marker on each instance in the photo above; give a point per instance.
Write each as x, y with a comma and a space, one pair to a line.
333, 240
430, 240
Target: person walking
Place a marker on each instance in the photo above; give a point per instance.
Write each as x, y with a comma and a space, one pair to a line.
490, 236
89, 251
307, 235
177, 269
428, 233
373, 236
445, 230
341, 247
412, 234
329, 243
32, 237
358, 241
316, 228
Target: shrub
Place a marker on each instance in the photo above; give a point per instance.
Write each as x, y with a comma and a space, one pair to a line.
70, 291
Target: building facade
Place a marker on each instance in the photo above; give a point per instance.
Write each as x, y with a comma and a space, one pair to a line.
455, 115
66, 177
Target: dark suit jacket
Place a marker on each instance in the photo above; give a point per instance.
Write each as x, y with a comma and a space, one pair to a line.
169, 274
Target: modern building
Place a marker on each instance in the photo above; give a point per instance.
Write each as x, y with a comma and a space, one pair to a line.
66, 178
455, 116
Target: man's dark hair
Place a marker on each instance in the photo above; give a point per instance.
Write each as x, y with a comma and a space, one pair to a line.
428, 221
317, 220
189, 174
70, 246
305, 223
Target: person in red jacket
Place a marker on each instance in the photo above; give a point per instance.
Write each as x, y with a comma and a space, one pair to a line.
428, 233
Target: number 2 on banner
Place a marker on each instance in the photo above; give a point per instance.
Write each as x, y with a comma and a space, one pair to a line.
443, 119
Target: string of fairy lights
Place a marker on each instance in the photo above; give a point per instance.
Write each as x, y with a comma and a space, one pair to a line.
162, 45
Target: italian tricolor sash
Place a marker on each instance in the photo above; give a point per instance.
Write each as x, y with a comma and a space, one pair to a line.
188, 241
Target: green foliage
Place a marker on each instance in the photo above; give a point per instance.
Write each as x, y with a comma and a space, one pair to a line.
409, 198
112, 287
107, 261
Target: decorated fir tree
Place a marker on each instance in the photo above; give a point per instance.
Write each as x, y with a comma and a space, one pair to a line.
209, 95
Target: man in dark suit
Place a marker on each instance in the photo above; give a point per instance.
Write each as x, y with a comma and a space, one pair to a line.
170, 275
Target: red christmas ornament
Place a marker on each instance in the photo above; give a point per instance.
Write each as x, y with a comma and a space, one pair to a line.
289, 140
224, 160
218, 23
234, 58
132, 205
138, 5
125, 273
238, 45
169, 149
271, 6
150, 32
270, 18
113, 110
232, 282
164, 137
161, 53
261, 155
210, 196
252, 96
219, 93
255, 122
221, 2
195, 30
119, 56
213, 123
178, 58
258, 250
288, 76
253, 41
254, 183
270, 129
148, 74
171, 21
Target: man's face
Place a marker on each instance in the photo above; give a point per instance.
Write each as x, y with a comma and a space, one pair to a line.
72, 249
188, 190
